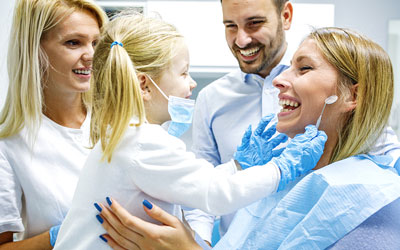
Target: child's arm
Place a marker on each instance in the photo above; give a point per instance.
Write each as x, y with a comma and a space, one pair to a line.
167, 172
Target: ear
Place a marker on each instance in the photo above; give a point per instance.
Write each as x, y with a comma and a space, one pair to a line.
144, 86
351, 100
287, 15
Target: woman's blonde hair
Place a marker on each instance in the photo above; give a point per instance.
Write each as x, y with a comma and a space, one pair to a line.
358, 61
149, 45
27, 62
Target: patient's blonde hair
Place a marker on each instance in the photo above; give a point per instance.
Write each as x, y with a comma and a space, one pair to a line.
358, 61
27, 61
149, 45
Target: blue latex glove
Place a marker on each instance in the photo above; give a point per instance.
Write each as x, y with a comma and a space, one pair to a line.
257, 148
53, 234
300, 155
397, 166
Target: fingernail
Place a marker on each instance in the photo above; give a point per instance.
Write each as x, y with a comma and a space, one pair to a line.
97, 207
109, 201
99, 219
147, 204
102, 237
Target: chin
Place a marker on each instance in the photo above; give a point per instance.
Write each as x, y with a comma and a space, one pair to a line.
251, 68
288, 130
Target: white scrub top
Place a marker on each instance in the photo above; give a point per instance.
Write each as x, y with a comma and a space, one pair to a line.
150, 164
36, 188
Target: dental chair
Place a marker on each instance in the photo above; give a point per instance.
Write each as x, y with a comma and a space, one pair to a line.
381, 231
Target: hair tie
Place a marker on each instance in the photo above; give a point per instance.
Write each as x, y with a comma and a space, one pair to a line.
116, 43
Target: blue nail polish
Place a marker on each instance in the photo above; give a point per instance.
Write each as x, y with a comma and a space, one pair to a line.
147, 204
109, 201
99, 219
102, 237
97, 207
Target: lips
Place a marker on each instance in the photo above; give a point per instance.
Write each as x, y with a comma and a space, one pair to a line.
249, 53
82, 71
288, 103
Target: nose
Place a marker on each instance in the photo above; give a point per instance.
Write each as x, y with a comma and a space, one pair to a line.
192, 84
281, 82
88, 53
242, 38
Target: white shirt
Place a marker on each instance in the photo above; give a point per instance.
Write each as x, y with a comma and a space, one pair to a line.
36, 188
150, 164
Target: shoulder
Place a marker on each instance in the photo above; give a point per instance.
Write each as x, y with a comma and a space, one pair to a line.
155, 137
225, 82
361, 168
13, 143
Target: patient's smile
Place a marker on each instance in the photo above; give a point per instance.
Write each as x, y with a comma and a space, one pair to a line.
288, 105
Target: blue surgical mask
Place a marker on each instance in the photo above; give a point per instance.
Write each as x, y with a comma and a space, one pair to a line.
180, 111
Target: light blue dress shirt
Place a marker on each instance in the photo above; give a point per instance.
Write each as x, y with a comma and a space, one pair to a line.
224, 109
227, 107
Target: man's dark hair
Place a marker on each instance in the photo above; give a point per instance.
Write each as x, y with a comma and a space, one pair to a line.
278, 4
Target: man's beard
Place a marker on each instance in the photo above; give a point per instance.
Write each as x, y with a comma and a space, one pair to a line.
269, 54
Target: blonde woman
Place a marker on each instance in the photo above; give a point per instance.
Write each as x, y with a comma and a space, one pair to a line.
44, 125
350, 201
141, 69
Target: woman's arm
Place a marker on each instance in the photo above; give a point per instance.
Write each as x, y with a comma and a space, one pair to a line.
41, 241
126, 231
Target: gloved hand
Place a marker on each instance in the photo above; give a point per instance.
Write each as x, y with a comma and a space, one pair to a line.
53, 234
257, 148
300, 155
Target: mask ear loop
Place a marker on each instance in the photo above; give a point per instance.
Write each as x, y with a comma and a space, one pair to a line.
158, 88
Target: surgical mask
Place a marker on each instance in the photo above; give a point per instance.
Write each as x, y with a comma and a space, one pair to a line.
180, 111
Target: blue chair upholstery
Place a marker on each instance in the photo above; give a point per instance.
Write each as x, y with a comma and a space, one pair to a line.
380, 231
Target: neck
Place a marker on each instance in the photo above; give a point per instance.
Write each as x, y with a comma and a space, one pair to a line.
67, 111
328, 151
276, 60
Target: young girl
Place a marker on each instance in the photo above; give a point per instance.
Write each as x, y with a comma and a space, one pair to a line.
140, 72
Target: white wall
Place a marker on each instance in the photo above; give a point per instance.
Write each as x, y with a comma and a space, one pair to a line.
6, 12
394, 51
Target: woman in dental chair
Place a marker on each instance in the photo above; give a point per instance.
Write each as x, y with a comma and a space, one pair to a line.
351, 200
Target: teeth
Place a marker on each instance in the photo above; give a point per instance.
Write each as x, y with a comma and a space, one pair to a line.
249, 52
82, 72
287, 102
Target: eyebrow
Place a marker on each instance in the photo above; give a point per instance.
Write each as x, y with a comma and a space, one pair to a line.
185, 67
248, 19
300, 58
76, 34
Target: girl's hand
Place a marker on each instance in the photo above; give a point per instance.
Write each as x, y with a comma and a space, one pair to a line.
126, 231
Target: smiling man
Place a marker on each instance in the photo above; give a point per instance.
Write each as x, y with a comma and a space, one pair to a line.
255, 33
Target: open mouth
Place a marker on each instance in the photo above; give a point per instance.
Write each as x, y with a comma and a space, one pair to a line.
249, 52
85, 72
288, 105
